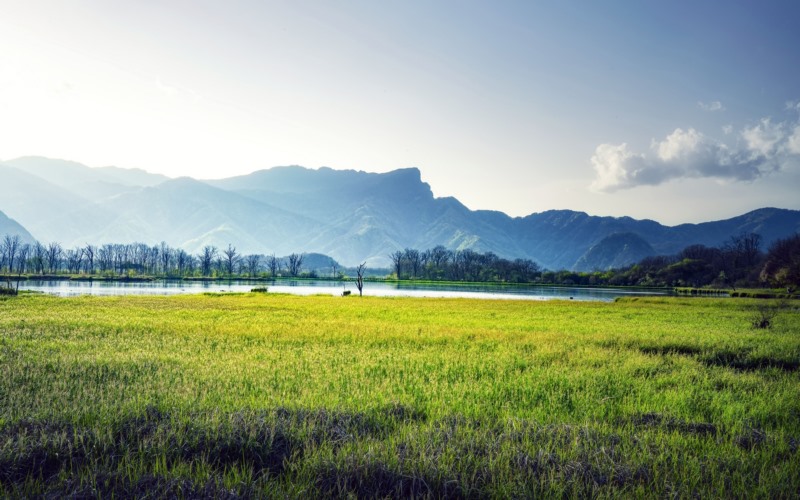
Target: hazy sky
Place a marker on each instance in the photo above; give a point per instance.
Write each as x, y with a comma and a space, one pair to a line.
678, 111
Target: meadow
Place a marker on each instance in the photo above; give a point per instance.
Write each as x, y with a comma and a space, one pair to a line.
243, 395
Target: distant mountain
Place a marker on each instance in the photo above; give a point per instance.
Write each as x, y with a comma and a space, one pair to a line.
90, 183
615, 251
190, 214
561, 237
351, 216
70, 173
10, 227
367, 216
35, 203
61, 200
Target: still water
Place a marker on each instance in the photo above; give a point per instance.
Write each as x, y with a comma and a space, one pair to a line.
526, 292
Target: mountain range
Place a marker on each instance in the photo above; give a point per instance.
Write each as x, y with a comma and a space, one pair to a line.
352, 216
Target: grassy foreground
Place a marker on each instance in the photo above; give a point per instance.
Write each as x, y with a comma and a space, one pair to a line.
271, 395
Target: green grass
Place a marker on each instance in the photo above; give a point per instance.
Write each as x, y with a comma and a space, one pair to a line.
278, 395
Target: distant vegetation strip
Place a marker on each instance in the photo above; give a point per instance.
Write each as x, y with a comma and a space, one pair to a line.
738, 263
263, 395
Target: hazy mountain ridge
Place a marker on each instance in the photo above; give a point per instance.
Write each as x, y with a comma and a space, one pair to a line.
11, 227
66, 173
615, 251
353, 216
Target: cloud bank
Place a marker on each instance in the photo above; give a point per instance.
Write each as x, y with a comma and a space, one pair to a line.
761, 149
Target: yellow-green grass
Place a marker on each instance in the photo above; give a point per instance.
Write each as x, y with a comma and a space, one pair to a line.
263, 394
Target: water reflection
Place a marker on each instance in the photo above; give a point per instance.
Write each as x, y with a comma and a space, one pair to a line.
527, 292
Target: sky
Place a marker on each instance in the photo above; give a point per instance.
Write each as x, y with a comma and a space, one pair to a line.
681, 111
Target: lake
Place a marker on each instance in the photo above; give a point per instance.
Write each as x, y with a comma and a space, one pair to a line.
66, 288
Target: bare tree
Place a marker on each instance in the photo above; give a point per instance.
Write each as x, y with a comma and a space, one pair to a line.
140, 257
11, 246
23, 258
295, 264
739, 254
90, 251
74, 259
105, 258
273, 264
488, 264
182, 260
166, 255
397, 261
334, 267
191, 262
469, 262
750, 248
22, 262
121, 253
54, 252
12, 250
207, 259
414, 261
253, 264
152, 259
37, 258
360, 277
231, 258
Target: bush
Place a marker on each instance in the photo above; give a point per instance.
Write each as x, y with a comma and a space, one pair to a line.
765, 314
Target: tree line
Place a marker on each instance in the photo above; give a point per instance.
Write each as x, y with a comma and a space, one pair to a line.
140, 259
739, 262
440, 263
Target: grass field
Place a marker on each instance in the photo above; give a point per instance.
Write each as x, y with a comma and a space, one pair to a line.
278, 395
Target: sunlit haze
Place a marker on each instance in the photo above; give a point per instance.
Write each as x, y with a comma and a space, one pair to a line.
675, 111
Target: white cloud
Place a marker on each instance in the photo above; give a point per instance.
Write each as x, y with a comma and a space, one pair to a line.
615, 165
727, 129
793, 143
764, 138
764, 148
710, 106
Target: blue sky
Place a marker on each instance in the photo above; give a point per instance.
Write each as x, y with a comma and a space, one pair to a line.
675, 111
